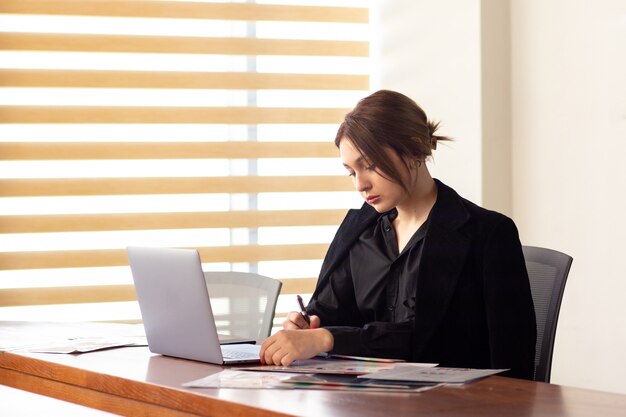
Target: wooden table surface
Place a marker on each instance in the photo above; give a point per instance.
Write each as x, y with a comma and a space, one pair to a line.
132, 381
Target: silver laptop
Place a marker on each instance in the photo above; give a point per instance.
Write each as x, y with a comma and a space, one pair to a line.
176, 308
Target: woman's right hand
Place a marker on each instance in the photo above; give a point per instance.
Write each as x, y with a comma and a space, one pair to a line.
295, 321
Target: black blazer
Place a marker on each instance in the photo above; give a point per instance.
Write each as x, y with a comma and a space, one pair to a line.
473, 303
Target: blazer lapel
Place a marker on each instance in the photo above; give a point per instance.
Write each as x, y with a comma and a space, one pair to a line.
444, 254
349, 231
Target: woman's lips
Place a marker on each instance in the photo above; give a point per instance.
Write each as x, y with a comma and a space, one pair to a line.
372, 199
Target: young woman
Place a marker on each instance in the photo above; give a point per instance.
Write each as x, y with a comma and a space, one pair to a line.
418, 273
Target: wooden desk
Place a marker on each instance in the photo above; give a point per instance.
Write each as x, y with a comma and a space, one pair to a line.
16, 402
133, 382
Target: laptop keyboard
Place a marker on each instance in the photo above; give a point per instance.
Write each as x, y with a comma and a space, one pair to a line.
231, 353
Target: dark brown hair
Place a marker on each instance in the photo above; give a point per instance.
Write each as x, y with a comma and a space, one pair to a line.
389, 120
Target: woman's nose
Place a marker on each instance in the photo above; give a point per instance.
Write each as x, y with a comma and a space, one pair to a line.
362, 184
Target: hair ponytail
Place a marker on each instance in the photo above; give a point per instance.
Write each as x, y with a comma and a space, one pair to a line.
432, 128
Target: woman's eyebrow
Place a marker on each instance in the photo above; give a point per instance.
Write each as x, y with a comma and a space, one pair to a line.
359, 161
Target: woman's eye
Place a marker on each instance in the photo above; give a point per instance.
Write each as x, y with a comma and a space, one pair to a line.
351, 174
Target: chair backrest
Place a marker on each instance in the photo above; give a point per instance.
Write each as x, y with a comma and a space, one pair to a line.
243, 303
547, 271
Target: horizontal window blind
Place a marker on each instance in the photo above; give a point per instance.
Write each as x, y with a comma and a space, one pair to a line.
169, 123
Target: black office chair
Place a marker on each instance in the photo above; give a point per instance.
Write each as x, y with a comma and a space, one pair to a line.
547, 271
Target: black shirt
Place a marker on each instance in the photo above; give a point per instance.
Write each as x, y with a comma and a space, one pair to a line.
369, 304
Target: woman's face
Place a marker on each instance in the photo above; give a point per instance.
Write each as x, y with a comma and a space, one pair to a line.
378, 191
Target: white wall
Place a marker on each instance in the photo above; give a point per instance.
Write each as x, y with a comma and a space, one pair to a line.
566, 129
430, 51
569, 171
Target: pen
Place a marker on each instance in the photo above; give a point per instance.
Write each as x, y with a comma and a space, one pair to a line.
305, 316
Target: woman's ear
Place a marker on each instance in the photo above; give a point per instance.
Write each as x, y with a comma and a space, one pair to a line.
413, 163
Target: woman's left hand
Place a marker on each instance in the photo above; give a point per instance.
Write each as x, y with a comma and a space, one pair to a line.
286, 346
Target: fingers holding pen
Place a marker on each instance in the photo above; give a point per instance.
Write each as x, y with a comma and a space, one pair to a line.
291, 343
301, 319
295, 321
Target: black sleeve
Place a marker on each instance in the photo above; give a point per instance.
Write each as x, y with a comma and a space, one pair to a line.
335, 304
376, 340
334, 301
508, 302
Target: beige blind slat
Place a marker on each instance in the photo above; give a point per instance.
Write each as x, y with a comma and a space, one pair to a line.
132, 186
148, 221
66, 295
298, 285
183, 10
109, 293
164, 150
179, 45
121, 114
179, 79
118, 257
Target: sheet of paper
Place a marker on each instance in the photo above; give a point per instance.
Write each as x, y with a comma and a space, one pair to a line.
86, 344
240, 379
401, 372
16, 335
329, 366
364, 358
324, 366
230, 378
349, 382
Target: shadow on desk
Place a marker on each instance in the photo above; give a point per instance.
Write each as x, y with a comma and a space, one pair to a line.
170, 371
